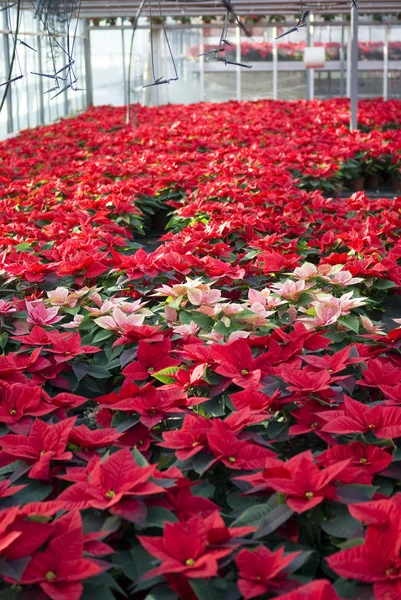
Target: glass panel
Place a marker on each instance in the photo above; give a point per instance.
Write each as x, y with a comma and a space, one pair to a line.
291, 85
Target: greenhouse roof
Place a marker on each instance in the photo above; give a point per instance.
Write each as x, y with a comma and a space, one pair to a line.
195, 8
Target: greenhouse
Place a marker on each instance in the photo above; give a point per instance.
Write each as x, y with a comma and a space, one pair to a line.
200, 300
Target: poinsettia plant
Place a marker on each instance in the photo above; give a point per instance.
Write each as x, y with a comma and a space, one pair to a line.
218, 418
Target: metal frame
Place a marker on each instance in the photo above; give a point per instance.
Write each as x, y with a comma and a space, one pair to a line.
354, 69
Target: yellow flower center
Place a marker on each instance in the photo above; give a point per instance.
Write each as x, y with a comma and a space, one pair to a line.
110, 494
150, 370
43, 452
389, 572
190, 562
309, 495
13, 412
50, 575
363, 461
244, 372
231, 459
314, 425
371, 426
194, 444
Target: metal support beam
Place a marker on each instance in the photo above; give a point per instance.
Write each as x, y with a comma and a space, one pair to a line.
238, 59
354, 69
275, 64
202, 66
88, 65
342, 63
6, 49
124, 67
310, 73
40, 80
385, 64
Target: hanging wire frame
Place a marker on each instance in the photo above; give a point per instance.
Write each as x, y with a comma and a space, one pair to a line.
222, 47
49, 9
160, 80
15, 55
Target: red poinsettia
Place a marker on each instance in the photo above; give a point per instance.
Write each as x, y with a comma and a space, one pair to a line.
184, 548
112, 484
377, 560
316, 590
365, 461
306, 485
262, 571
61, 567
383, 421
45, 443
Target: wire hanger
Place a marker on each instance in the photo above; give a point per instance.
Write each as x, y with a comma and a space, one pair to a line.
223, 43
302, 21
160, 80
14, 40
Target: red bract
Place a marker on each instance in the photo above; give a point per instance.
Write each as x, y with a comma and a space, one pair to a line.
44, 444
366, 461
262, 571
184, 548
383, 421
190, 439
317, 590
66, 346
235, 361
60, 568
377, 561
152, 404
235, 453
151, 358
110, 484
84, 438
306, 486
19, 400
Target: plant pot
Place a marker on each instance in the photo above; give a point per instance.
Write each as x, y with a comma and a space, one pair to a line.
358, 184
372, 182
396, 182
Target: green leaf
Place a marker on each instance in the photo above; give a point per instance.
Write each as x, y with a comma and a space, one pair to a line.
164, 376
213, 589
158, 516
204, 489
161, 592
23, 247
80, 370
134, 562
3, 340
355, 492
101, 336
342, 526
139, 458
352, 543
100, 592
252, 517
12, 467
384, 284
33, 492
352, 322
122, 423
98, 372
273, 521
